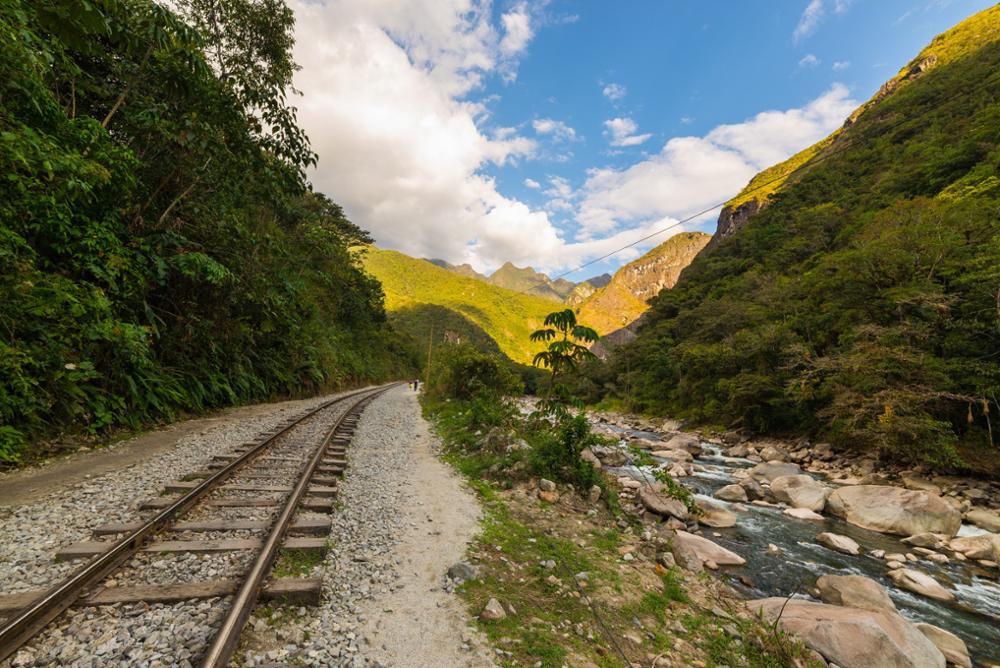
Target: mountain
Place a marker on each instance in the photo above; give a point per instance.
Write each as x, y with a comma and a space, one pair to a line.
423, 299
584, 289
852, 292
530, 281
624, 298
460, 269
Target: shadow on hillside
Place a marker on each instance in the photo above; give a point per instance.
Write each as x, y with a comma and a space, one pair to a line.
426, 321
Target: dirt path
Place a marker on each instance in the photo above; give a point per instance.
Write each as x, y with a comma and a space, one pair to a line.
419, 625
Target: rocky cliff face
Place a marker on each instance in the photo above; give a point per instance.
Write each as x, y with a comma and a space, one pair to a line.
624, 298
585, 289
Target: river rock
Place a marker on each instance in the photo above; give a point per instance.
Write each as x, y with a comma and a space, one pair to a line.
981, 546
682, 442
854, 591
609, 456
739, 450
706, 550
920, 583
984, 519
753, 488
731, 493
954, 649
835, 541
769, 453
914, 481
673, 455
714, 516
646, 444
933, 541
800, 491
546, 485
894, 510
851, 637
768, 471
803, 514
656, 499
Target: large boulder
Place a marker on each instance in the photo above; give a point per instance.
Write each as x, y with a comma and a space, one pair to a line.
920, 583
894, 510
770, 470
851, 637
731, 493
835, 541
800, 491
981, 546
673, 455
713, 515
954, 649
984, 519
656, 499
683, 442
706, 550
854, 591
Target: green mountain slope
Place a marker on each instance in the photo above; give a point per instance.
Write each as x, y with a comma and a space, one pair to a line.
419, 295
625, 296
530, 281
860, 301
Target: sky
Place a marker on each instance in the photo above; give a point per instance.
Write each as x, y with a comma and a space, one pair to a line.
550, 133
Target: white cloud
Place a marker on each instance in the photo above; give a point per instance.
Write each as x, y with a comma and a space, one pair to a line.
693, 173
841, 65
687, 120
622, 132
517, 31
809, 60
557, 129
810, 18
614, 92
532, 183
390, 106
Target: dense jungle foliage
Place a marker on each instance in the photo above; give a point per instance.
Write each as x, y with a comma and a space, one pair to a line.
862, 304
160, 248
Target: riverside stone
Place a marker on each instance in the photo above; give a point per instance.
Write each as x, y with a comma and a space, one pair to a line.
839, 543
731, 493
894, 510
800, 491
768, 471
854, 591
954, 649
655, 498
920, 583
714, 516
981, 546
851, 637
706, 550
984, 519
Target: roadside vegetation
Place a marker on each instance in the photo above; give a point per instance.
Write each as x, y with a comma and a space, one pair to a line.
578, 581
160, 248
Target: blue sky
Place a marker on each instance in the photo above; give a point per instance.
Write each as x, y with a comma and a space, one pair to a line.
549, 133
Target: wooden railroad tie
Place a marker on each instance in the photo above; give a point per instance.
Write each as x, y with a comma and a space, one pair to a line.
322, 505
313, 526
295, 591
90, 548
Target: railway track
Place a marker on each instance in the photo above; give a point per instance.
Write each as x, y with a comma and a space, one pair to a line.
267, 499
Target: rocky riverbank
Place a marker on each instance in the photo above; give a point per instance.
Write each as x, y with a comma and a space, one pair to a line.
929, 542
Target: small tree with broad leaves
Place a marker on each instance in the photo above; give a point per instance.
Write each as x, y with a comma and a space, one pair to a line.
565, 338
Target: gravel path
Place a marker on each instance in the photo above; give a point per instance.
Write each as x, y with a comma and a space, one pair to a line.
404, 518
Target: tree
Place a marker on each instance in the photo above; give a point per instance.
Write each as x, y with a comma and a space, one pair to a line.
563, 354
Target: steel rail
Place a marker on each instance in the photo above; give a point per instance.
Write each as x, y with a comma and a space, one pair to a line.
223, 646
28, 622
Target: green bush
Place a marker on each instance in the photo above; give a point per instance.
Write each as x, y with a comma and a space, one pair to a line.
556, 449
462, 372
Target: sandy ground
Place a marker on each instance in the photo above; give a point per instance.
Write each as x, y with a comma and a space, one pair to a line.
419, 625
